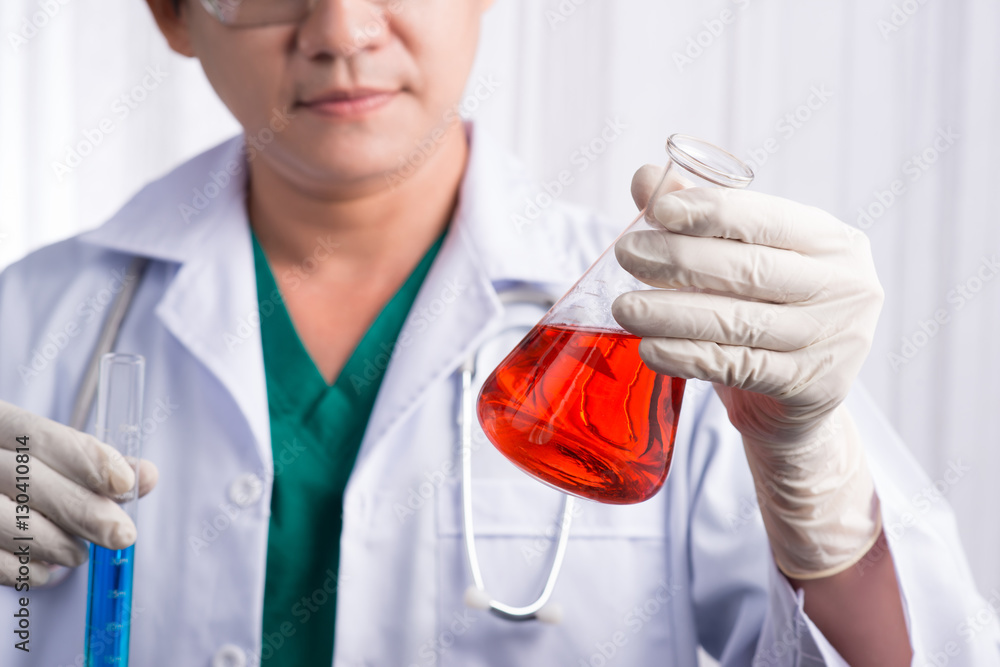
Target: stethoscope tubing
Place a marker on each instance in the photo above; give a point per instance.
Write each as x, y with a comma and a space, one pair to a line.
477, 596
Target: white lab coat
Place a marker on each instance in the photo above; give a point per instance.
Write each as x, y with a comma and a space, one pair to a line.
642, 585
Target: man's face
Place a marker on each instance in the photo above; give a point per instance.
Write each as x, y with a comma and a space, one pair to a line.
362, 82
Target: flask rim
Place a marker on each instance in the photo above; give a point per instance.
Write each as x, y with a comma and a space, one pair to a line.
708, 161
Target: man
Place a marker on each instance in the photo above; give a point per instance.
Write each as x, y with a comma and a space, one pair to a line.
290, 523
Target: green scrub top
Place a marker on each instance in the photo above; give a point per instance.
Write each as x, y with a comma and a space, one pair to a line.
316, 431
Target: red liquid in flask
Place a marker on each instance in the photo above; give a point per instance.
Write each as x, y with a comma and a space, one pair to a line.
578, 409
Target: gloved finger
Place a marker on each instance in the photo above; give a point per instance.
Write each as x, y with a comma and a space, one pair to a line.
49, 542
73, 508
149, 474
717, 319
10, 571
753, 217
77, 456
671, 260
761, 371
647, 177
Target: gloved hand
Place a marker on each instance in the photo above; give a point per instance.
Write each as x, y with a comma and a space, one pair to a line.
781, 317
72, 477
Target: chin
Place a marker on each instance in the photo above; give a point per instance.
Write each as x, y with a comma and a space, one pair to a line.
368, 155
346, 167
379, 152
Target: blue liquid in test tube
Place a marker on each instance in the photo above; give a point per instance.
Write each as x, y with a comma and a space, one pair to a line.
109, 607
109, 595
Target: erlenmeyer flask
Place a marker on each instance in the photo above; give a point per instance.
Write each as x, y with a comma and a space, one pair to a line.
573, 404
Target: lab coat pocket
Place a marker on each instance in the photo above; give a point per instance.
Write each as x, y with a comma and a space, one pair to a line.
615, 563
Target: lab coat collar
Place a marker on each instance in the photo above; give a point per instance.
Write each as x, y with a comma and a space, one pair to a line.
196, 217
507, 219
170, 218
501, 210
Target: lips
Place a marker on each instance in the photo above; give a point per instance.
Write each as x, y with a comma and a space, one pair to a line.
350, 103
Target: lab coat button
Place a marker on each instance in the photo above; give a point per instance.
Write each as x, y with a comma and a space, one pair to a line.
246, 490
229, 655
355, 507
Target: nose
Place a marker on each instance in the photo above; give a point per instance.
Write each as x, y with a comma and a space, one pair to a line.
342, 28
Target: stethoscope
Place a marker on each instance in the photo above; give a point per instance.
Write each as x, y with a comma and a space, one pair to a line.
106, 341
476, 596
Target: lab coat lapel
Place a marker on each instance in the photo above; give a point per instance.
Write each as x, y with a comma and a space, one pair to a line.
210, 305
451, 315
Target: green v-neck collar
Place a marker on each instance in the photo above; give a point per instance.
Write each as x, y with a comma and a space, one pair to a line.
294, 382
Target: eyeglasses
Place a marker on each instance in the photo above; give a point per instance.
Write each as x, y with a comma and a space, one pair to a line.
251, 13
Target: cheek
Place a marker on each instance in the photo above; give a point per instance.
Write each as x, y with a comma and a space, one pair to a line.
442, 45
232, 64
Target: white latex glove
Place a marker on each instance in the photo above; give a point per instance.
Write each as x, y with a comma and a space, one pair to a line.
785, 320
71, 479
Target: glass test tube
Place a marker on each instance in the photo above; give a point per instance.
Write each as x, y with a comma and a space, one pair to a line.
109, 596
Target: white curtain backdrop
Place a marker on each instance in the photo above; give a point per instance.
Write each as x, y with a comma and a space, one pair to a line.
889, 107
